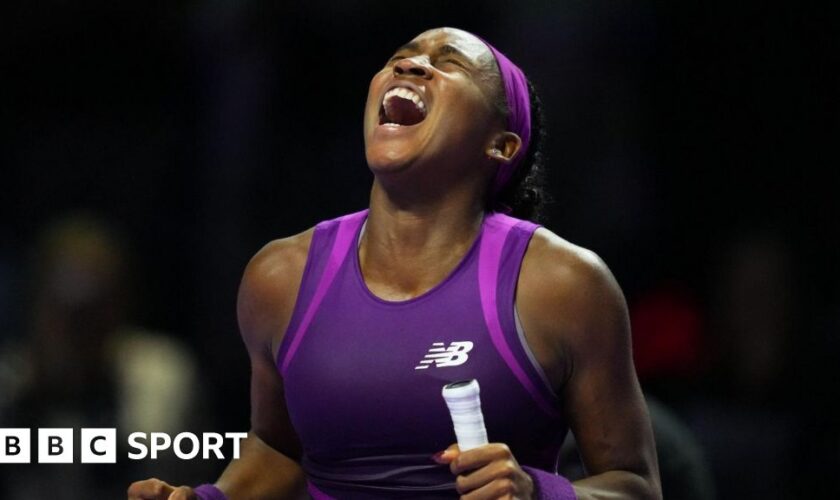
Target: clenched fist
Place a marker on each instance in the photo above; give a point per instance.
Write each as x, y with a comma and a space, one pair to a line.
487, 472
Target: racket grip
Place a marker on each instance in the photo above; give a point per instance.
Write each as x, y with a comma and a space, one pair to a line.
464, 404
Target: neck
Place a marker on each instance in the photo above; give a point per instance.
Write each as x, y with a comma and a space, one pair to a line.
408, 248
397, 222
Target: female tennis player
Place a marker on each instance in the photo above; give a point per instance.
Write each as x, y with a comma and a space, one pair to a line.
354, 326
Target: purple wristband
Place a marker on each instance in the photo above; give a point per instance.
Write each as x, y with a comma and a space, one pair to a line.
209, 492
548, 486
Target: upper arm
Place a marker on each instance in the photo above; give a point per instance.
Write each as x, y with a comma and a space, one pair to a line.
605, 405
578, 310
265, 303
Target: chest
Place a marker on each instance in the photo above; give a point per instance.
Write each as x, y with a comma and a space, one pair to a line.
370, 374
365, 374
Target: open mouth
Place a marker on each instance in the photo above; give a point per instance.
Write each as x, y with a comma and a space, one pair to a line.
402, 107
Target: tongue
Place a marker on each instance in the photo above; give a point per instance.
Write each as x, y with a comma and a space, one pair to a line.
402, 111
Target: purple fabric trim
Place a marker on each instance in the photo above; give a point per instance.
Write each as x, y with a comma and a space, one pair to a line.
315, 493
548, 486
346, 234
493, 239
209, 492
519, 119
310, 272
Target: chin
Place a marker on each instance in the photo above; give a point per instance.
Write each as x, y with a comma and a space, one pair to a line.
381, 160
387, 169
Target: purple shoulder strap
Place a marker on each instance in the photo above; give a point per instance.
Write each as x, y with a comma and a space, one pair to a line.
348, 225
496, 231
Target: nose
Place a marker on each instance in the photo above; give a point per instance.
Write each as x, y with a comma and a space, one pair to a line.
410, 66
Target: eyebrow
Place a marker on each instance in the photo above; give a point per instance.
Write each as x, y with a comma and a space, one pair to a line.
445, 49
448, 49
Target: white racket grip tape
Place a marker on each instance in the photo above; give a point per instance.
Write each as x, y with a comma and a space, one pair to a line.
464, 404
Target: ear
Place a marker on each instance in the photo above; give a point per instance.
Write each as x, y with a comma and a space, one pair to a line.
504, 147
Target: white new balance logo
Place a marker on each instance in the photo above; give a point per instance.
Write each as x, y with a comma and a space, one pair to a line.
454, 355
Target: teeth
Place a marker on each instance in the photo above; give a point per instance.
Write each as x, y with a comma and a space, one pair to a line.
405, 94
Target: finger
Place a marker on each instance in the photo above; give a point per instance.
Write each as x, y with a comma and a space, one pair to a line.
479, 457
448, 455
498, 489
140, 490
499, 469
182, 493
149, 489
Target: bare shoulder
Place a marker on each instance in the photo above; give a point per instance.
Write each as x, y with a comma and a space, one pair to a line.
568, 292
559, 267
271, 265
269, 289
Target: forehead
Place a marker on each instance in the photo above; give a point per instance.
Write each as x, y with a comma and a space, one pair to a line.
466, 43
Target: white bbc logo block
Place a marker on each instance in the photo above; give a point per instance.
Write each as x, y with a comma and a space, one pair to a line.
55, 446
99, 446
14, 446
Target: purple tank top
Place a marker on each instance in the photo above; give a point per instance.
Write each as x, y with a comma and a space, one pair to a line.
363, 375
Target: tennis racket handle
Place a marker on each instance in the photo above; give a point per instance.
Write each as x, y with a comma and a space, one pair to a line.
464, 404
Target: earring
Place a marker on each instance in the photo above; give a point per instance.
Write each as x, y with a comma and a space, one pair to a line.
495, 151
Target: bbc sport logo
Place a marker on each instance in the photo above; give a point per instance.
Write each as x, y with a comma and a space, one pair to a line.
99, 446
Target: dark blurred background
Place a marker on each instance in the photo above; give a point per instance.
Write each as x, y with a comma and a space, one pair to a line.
692, 144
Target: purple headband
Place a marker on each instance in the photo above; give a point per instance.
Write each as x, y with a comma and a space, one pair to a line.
519, 119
